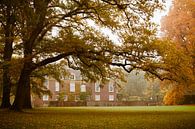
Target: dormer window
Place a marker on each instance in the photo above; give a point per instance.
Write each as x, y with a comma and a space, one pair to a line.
72, 76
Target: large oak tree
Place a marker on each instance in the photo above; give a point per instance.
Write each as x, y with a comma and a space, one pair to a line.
81, 45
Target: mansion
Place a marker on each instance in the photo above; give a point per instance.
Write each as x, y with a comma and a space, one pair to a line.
74, 91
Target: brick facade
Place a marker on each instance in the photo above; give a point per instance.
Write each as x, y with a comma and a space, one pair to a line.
104, 93
73, 89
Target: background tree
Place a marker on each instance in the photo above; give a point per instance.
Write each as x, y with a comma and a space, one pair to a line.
140, 88
179, 55
154, 92
134, 87
174, 94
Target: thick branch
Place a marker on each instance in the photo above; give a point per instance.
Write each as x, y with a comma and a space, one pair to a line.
51, 60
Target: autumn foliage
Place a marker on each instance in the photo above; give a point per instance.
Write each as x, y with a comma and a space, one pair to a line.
179, 51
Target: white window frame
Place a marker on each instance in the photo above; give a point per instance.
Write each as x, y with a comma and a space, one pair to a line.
45, 97
111, 98
97, 87
83, 88
57, 86
97, 97
72, 86
111, 86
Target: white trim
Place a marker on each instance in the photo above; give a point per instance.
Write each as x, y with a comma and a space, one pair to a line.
72, 86
97, 97
111, 98
57, 86
83, 88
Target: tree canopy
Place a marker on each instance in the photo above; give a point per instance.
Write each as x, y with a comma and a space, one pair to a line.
82, 46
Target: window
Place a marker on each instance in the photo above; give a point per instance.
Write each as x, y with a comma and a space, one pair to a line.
111, 97
46, 83
57, 86
97, 87
97, 97
45, 97
111, 86
65, 98
72, 86
83, 88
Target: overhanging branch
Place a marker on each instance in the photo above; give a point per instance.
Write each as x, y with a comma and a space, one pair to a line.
52, 59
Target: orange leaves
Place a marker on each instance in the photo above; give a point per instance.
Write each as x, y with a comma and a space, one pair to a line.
178, 54
174, 96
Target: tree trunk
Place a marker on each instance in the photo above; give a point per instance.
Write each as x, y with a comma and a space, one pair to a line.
7, 55
6, 76
22, 88
27, 102
6, 89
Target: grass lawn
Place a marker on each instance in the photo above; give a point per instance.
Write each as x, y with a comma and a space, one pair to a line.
136, 117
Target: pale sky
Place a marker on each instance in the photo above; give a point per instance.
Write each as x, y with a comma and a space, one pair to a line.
158, 14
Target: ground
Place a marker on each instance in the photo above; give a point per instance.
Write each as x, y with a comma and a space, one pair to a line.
143, 117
